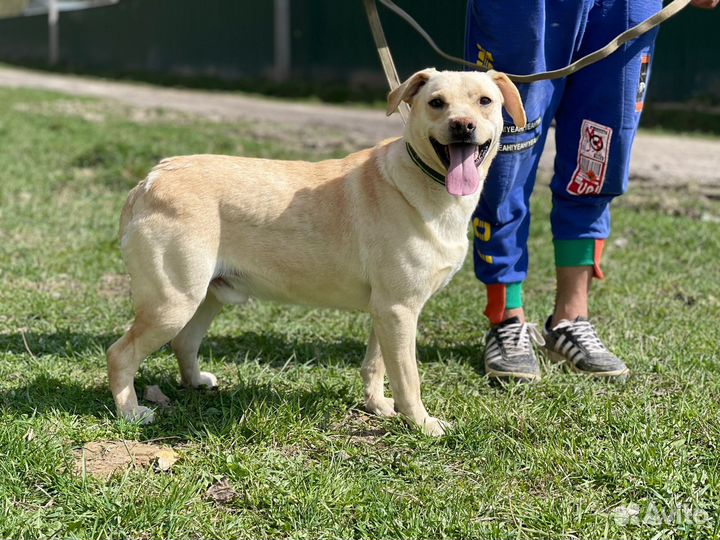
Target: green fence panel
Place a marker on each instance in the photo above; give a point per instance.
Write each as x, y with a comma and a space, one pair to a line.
330, 42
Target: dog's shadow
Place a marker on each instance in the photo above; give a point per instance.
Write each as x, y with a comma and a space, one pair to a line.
214, 410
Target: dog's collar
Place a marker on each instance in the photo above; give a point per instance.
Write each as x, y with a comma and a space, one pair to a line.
424, 167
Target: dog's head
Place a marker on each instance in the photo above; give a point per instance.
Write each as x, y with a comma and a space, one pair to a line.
456, 120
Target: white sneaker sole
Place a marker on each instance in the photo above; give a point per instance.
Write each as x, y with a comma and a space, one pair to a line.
495, 374
560, 359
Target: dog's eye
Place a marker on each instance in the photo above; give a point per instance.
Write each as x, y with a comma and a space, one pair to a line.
436, 103
484, 100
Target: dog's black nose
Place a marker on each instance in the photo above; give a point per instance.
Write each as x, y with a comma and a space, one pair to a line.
461, 127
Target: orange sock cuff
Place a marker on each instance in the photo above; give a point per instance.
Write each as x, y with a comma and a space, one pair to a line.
501, 297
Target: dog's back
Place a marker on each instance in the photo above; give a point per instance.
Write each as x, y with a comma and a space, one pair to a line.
287, 231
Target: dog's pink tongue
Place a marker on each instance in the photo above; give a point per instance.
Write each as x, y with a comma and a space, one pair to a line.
462, 177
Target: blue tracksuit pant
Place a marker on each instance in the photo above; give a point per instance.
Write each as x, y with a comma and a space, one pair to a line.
596, 112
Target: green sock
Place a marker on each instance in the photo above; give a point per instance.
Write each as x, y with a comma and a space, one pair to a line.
513, 295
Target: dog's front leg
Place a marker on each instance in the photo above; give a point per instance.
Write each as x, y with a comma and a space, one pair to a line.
396, 328
373, 374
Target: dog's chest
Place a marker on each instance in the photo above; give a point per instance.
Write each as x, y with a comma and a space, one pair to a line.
448, 243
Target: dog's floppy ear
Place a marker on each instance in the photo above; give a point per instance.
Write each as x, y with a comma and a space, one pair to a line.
408, 89
511, 97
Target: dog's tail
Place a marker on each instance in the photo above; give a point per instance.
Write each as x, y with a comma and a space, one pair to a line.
127, 211
143, 186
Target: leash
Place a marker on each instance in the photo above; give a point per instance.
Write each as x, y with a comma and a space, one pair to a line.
669, 11
383, 50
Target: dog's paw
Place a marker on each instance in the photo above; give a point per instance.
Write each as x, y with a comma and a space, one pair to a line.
139, 415
434, 427
380, 406
205, 380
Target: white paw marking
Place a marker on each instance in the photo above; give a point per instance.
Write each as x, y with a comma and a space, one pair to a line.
435, 427
207, 380
380, 406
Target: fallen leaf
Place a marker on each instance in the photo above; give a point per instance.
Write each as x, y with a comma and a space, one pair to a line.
165, 459
114, 286
30, 435
221, 492
153, 394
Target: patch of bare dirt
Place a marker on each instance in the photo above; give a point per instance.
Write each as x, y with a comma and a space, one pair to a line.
361, 429
114, 285
58, 286
102, 459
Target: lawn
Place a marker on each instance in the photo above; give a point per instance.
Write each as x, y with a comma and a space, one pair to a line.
285, 434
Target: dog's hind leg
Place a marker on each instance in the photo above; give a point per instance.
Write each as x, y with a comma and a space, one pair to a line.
187, 343
169, 282
146, 335
373, 374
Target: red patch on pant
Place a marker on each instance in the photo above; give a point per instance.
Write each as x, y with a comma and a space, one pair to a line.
597, 271
593, 153
496, 302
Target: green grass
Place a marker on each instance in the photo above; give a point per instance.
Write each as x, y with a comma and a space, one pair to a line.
549, 460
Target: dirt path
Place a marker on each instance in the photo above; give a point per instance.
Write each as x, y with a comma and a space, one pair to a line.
660, 162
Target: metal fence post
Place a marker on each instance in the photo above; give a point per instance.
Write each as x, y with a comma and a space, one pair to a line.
53, 32
281, 40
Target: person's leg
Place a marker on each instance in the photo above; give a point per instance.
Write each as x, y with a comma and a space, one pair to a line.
596, 124
576, 264
500, 253
571, 298
498, 38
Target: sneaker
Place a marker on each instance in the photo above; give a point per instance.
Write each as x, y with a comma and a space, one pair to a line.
509, 353
577, 343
